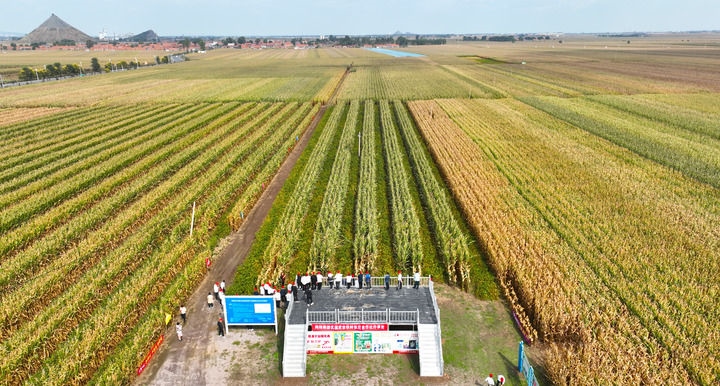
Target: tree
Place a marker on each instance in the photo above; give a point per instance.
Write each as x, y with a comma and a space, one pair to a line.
186, 44
95, 65
89, 44
402, 41
27, 74
241, 40
71, 69
14, 46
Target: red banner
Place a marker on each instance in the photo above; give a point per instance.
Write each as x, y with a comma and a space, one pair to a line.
350, 327
154, 348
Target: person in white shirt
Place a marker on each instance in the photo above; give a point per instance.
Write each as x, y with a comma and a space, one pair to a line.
490, 381
178, 330
277, 297
500, 380
399, 283
210, 300
416, 280
319, 281
305, 281
338, 278
222, 298
183, 313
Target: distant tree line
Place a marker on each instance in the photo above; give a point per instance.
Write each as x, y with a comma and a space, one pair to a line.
506, 38
402, 41
57, 70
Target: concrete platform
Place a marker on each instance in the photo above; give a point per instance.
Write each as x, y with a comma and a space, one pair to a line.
373, 299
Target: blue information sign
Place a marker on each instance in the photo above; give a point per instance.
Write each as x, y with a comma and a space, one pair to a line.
250, 310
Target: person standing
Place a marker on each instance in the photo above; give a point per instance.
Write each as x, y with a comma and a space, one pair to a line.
387, 281
207, 264
489, 381
500, 380
295, 292
178, 330
416, 280
367, 279
216, 289
399, 283
319, 281
308, 297
338, 279
360, 280
313, 280
283, 296
222, 298
183, 313
210, 300
305, 281
266, 289
221, 327
277, 297
222, 286
330, 280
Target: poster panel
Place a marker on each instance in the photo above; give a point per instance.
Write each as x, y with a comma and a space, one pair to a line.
319, 342
342, 342
362, 342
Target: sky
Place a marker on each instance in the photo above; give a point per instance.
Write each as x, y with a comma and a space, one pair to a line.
362, 17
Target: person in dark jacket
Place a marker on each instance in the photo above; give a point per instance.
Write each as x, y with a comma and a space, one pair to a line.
221, 327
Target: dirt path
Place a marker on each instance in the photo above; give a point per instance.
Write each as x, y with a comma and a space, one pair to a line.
202, 357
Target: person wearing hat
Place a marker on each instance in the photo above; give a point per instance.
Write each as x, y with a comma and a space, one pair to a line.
338, 278
489, 380
500, 380
221, 327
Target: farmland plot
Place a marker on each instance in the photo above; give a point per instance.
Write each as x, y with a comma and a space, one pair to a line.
611, 274
400, 208
87, 243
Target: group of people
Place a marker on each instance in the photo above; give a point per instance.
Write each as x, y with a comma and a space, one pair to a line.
499, 381
219, 294
416, 280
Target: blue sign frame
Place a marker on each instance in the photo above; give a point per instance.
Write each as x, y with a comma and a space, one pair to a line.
250, 310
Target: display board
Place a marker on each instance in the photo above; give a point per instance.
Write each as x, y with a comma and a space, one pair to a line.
250, 311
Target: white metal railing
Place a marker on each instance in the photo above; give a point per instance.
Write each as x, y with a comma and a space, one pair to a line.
438, 333
362, 316
379, 281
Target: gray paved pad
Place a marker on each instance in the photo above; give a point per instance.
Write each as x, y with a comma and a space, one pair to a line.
373, 299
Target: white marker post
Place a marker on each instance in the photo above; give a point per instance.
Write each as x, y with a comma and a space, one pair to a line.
192, 219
